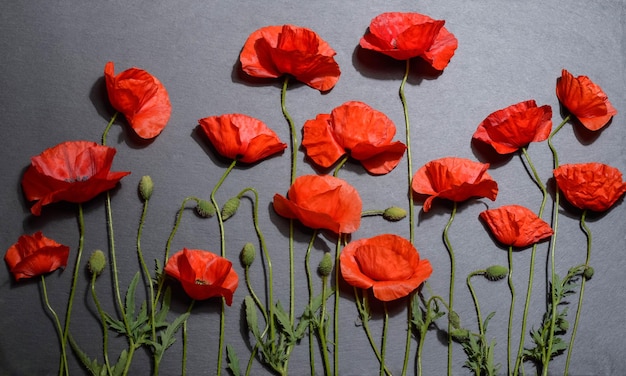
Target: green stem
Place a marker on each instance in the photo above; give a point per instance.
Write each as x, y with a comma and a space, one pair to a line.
408, 148
63, 367
322, 328
531, 273
105, 334
116, 282
511, 310
184, 360
336, 308
309, 278
340, 165
452, 277
383, 346
147, 273
479, 317
108, 127
407, 343
587, 231
364, 312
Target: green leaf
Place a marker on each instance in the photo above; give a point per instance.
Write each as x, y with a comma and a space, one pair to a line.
233, 361
92, 365
130, 297
251, 317
283, 320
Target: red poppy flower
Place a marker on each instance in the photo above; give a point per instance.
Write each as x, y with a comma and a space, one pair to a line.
141, 97
515, 126
387, 263
455, 179
322, 202
593, 186
74, 171
356, 128
585, 100
516, 226
203, 274
273, 51
34, 255
406, 35
241, 137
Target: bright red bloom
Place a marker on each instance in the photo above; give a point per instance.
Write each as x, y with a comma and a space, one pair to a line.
515, 225
273, 51
389, 264
406, 35
585, 100
356, 128
141, 97
511, 128
455, 179
322, 202
74, 171
203, 274
241, 137
593, 186
34, 255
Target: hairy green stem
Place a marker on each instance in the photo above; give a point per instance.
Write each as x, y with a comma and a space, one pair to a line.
364, 312
452, 277
105, 334
148, 276
511, 310
108, 127
383, 345
307, 268
336, 308
63, 366
479, 317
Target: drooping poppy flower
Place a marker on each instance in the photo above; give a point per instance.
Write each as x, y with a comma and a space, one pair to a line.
322, 202
585, 100
356, 128
406, 35
515, 225
203, 274
273, 51
74, 171
387, 263
34, 255
511, 128
241, 137
593, 186
141, 97
455, 179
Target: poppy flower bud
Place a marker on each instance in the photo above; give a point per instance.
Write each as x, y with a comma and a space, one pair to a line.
588, 273
205, 209
247, 255
455, 319
145, 187
460, 335
97, 262
326, 265
394, 214
230, 207
496, 272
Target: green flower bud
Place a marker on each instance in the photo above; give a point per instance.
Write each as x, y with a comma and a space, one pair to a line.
455, 319
496, 272
394, 214
588, 273
97, 262
326, 265
247, 255
460, 335
205, 209
145, 187
230, 207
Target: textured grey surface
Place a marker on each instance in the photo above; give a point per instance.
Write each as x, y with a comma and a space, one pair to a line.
51, 90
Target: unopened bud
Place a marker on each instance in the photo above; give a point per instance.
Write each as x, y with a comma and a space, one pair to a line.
205, 209
230, 207
455, 320
588, 273
496, 272
460, 335
394, 213
326, 265
97, 262
247, 255
145, 187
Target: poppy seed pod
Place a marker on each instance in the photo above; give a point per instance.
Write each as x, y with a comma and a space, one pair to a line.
496, 272
230, 207
455, 319
588, 273
326, 265
460, 335
394, 214
247, 255
145, 187
205, 209
97, 262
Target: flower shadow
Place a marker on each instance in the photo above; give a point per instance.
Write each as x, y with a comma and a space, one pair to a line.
375, 65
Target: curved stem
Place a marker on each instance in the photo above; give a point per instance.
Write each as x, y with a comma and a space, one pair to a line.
322, 328
479, 317
63, 367
408, 148
108, 127
105, 334
146, 270
452, 277
587, 231
511, 310
336, 308
184, 360
340, 165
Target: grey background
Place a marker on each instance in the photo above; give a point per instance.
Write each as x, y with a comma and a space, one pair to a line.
51, 90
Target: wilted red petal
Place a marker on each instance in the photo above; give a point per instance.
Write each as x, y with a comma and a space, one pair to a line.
141, 97
34, 255
511, 128
74, 171
203, 274
593, 186
322, 202
406, 35
455, 179
387, 263
585, 100
273, 51
241, 137
515, 225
